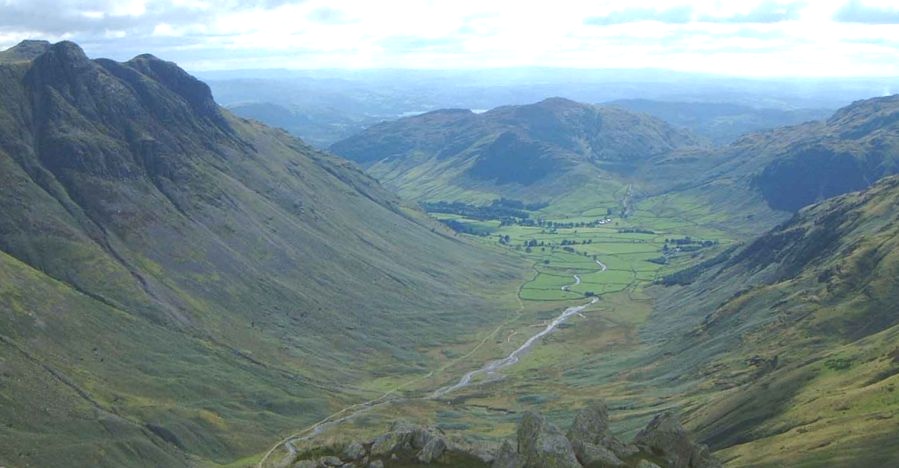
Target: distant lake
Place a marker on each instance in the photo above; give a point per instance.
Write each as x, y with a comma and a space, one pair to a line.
419, 112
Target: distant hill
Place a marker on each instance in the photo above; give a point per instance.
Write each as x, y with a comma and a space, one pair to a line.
531, 151
318, 127
720, 123
792, 167
178, 285
794, 339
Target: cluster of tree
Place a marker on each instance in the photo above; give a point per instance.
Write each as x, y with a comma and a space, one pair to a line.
535, 243
687, 240
463, 228
635, 230
491, 211
687, 244
551, 226
575, 242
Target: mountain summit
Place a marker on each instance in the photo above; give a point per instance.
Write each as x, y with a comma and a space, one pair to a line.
544, 147
178, 284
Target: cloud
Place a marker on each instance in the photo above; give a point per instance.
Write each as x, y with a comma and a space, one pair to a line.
676, 15
96, 17
768, 11
855, 11
750, 37
327, 15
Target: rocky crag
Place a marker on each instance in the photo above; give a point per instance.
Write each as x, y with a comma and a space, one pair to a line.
588, 443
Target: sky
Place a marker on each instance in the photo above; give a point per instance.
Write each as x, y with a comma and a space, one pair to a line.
755, 38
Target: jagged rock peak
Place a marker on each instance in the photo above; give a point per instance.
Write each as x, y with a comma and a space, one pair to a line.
173, 77
64, 55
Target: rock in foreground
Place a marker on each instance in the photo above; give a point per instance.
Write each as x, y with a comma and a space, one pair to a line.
589, 443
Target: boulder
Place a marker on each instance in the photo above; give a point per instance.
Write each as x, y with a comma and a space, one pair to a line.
422, 435
596, 456
391, 442
432, 450
330, 461
703, 458
590, 424
376, 464
664, 437
541, 444
352, 452
590, 429
619, 448
507, 457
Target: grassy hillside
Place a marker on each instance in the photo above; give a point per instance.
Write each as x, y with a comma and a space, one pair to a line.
721, 123
179, 284
535, 152
795, 166
776, 351
574, 156
794, 338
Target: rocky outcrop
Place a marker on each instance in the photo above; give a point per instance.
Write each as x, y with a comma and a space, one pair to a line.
541, 444
588, 443
665, 438
594, 445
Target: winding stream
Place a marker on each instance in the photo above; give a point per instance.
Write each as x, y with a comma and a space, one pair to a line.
488, 369
577, 281
493, 366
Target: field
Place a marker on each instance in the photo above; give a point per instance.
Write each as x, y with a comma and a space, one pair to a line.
607, 253
575, 252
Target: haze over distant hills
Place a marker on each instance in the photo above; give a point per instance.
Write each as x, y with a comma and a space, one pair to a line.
544, 144
721, 123
323, 106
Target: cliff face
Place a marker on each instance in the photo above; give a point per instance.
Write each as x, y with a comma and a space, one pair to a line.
800, 165
177, 273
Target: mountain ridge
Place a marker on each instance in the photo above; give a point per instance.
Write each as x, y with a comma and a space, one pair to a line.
181, 271
549, 146
795, 330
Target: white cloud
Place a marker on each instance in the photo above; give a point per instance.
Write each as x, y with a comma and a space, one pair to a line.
752, 37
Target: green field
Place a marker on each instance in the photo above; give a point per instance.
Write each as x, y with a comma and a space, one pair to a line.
626, 254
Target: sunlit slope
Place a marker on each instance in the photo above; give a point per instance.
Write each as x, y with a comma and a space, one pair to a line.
533, 152
203, 282
792, 167
793, 341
